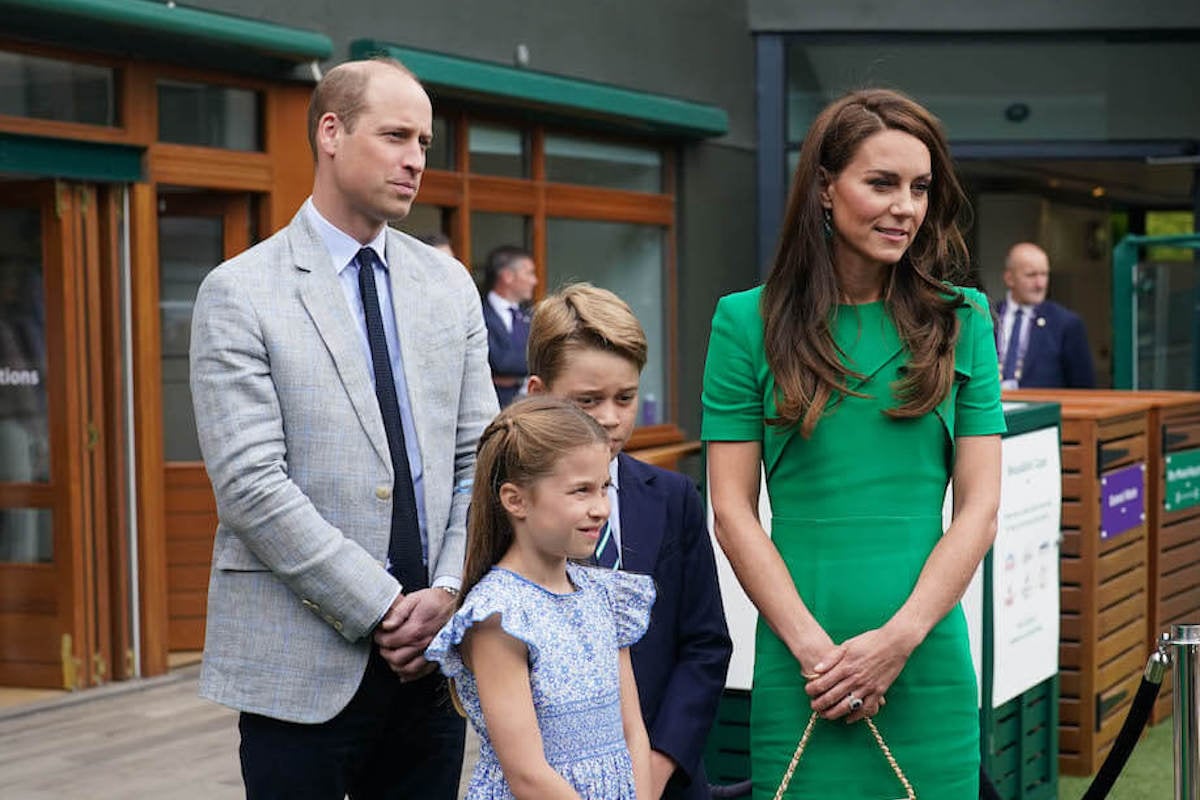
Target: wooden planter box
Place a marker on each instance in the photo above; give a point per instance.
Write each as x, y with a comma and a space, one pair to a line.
1104, 573
1173, 523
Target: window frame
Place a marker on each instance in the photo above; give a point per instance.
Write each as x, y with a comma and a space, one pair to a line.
459, 192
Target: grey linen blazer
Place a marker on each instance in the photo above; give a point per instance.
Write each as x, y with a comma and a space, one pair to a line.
294, 443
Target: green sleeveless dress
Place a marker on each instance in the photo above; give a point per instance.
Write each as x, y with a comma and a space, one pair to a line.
856, 510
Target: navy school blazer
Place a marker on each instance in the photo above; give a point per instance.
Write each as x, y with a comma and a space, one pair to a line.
680, 663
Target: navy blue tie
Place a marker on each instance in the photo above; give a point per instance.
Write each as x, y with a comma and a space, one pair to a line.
1013, 351
404, 547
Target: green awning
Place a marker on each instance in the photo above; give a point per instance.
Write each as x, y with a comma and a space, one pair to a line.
166, 31
48, 157
554, 95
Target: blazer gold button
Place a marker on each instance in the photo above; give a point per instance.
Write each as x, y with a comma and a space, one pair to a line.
383, 493
337, 625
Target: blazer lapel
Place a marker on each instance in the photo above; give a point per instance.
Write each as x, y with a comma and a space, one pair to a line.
321, 294
643, 511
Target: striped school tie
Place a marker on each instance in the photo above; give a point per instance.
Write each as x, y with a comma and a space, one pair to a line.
608, 554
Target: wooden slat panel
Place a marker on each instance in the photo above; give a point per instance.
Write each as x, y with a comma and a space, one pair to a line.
1074, 431
1184, 434
1113, 429
1070, 628
187, 604
1070, 654
1178, 558
193, 552
1129, 663
1132, 609
1178, 533
191, 522
1070, 542
1072, 571
188, 577
1125, 554
1074, 515
1119, 588
1123, 452
187, 633
1072, 457
1072, 486
190, 499
1121, 640
1181, 608
1069, 682
185, 527
1124, 539
1070, 598
1068, 711
1176, 582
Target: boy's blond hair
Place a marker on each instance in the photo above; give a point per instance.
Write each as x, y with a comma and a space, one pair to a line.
580, 316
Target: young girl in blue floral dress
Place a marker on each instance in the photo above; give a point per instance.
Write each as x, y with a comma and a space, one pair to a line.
539, 650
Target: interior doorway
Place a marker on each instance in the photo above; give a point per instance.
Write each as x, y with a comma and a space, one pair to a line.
197, 230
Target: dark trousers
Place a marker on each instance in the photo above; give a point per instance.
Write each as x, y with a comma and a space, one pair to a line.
393, 741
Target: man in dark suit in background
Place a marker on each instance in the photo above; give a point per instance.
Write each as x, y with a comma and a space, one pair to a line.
1040, 343
509, 280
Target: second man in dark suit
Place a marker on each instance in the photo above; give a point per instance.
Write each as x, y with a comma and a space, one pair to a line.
509, 280
1040, 343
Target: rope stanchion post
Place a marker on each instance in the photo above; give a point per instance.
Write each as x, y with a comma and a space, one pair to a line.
1185, 644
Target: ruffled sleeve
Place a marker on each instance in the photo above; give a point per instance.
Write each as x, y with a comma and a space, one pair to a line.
487, 599
630, 597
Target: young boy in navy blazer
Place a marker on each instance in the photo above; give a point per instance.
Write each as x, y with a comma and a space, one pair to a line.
586, 345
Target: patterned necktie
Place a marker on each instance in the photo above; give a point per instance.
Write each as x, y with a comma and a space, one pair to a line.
520, 327
608, 554
1013, 351
404, 546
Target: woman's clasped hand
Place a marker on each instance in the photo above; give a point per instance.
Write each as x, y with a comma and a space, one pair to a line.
861, 668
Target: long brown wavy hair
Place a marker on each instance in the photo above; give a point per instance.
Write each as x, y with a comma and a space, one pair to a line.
520, 445
801, 292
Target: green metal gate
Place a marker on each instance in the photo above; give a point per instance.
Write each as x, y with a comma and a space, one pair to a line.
1156, 312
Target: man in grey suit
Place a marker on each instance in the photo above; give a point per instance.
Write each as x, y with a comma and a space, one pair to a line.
340, 378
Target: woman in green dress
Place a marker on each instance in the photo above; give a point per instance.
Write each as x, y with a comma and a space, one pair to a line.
862, 380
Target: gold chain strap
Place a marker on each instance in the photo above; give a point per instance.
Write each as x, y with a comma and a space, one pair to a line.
887, 753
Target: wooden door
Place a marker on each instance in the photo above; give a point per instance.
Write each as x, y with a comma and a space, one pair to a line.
55, 622
196, 231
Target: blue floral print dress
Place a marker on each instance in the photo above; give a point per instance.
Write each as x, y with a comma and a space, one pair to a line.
573, 640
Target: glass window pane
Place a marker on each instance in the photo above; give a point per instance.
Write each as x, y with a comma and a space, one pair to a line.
1023, 90
441, 153
188, 248
490, 230
423, 221
43, 88
498, 150
573, 159
626, 259
26, 535
24, 428
209, 116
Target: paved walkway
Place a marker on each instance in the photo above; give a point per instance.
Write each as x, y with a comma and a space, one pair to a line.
152, 738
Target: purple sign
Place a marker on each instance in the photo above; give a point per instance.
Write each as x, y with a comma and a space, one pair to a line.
1122, 500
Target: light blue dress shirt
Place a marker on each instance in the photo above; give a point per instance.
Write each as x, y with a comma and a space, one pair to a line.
343, 249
